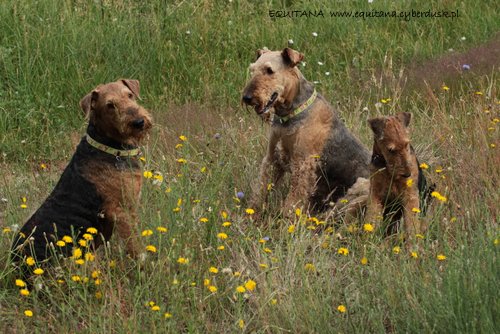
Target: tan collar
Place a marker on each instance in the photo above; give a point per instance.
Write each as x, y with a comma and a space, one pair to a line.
300, 109
113, 151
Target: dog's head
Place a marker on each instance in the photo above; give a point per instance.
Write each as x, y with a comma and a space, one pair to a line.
392, 141
113, 110
274, 79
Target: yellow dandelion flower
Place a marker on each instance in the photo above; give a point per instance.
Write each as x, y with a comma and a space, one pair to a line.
167, 315
416, 210
441, 257
240, 289
76, 278
148, 174
423, 165
496, 242
20, 283
98, 294
143, 159
309, 267
274, 301
147, 233
263, 266
88, 236
178, 146
267, 250
155, 308
183, 138
60, 243
43, 166
92, 230
478, 93
343, 251
364, 261
241, 323
67, 239
237, 274
414, 255
212, 288
438, 196
80, 261
492, 145
226, 224
28, 313
206, 282
213, 270
95, 274
445, 88
221, 247
89, 257
38, 271
344, 201
181, 160
112, 263
419, 236
222, 235
291, 229
203, 220
224, 214
203, 169
269, 186
30, 261
182, 260
250, 285
23, 206
60, 281
6, 230
77, 253
151, 248
396, 249
368, 228
175, 281
177, 209
250, 211
409, 183
341, 308
24, 292
162, 229
82, 242
298, 212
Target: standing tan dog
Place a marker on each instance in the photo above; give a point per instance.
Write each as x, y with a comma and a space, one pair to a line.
100, 188
307, 137
397, 185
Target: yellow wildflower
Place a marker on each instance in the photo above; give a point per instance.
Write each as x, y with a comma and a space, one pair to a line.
309, 267
423, 165
221, 247
368, 228
445, 88
240, 289
416, 210
162, 229
147, 233
77, 253
396, 249
92, 230
182, 137
167, 315
89, 257
212, 288
182, 260
151, 248
24, 292
250, 285
82, 243
441, 257
343, 251
241, 323
414, 255
226, 224
20, 283
148, 174
28, 313
341, 308
38, 271
291, 228
213, 270
181, 160
222, 235
30, 261
409, 183
364, 261
203, 220
60, 243
67, 239
76, 278
298, 212
250, 211
88, 236
80, 261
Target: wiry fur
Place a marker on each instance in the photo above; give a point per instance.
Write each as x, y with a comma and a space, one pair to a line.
323, 157
97, 189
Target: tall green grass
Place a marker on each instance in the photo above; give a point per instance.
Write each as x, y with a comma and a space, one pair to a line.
191, 58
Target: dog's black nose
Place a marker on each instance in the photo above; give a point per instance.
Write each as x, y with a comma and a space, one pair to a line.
407, 175
138, 123
247, 99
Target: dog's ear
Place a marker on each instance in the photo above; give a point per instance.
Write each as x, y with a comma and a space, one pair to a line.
260, 52
377, 125
404, 117
133, 85
87, 102
291, 56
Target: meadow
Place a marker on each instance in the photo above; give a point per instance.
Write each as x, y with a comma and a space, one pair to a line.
211, 267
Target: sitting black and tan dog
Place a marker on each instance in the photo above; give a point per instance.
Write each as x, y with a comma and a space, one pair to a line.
99, 189
398, 188
307, 137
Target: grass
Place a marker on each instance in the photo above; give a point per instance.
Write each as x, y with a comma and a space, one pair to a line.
53, 52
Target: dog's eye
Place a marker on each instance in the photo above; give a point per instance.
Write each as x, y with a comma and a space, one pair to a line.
110, 105
130, 95
269, 71
391, 150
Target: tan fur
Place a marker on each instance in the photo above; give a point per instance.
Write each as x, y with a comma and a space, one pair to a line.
112, 108
391, 182
296, 146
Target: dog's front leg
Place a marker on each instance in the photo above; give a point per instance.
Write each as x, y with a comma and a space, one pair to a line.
374, 211
302, 184
124, 220
411, 209
268, 170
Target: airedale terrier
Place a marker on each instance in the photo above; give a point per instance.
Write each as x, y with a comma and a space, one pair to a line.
307, 137
100, 187
398, 188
